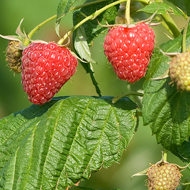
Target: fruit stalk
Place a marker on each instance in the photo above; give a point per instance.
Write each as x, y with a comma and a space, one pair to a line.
31, 33
184, 37
144, 1
127, 12
117, 98
165, 155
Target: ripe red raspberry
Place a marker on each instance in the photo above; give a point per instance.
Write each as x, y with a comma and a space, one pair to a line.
45, 69
129, 50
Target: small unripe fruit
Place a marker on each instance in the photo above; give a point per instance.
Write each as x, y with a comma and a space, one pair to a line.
180, 71
163, 176
13, 56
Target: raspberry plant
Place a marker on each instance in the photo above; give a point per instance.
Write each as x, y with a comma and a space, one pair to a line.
57, 142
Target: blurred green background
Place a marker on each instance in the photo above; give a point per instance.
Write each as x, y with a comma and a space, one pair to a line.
143, 148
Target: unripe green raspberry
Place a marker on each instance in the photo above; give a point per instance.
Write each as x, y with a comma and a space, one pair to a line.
163, 176
180, 71
13, 56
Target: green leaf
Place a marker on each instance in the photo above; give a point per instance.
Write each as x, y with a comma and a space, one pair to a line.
182, 4
92, 27
165, 109
81, 45
161, 8
62, 8
55, 145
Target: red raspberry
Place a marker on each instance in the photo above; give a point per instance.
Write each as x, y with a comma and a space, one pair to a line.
129, 50
45, 69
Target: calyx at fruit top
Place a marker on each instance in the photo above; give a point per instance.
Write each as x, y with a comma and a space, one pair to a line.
20, 37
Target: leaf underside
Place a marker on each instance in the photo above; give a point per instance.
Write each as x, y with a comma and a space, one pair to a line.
56, 145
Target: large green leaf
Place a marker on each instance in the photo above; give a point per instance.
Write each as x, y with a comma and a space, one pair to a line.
165, 109
56, 145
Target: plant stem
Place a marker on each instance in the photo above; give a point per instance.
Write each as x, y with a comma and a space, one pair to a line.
114, 100
127, 12
31, 33
164, 24
86, 4
165, 155
139, 113
144, 1
184, 37
170, 22
90, 17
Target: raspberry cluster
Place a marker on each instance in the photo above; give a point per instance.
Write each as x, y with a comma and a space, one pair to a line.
45, 69
129, 50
